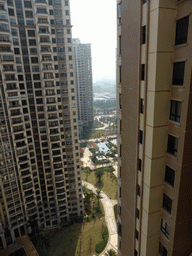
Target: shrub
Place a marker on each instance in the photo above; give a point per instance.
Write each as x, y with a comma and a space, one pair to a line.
101, 246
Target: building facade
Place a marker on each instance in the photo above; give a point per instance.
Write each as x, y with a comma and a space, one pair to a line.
84, 83
155, 127
39, 150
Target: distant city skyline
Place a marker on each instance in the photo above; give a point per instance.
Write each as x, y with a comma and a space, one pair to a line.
97, 26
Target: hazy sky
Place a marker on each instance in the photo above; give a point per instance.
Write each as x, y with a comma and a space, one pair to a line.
94, 21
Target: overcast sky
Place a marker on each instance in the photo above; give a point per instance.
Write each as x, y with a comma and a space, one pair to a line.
94, 21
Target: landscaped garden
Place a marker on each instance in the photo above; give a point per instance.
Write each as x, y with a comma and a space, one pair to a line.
79, 239
107, 181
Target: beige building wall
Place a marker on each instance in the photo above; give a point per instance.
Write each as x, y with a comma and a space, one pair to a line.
146, 71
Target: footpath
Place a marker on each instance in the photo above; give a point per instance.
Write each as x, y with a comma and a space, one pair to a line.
109, 218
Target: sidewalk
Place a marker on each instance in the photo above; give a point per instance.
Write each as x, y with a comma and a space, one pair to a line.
109, 218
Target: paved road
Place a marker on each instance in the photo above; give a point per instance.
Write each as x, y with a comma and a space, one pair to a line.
109, 218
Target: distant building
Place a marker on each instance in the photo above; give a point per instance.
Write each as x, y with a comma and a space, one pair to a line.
84, 84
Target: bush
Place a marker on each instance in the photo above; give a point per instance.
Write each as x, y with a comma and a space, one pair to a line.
101, 246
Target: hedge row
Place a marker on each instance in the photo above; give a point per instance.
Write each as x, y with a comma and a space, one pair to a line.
101, 246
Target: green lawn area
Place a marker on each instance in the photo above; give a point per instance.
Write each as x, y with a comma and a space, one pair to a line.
79, 237
108, 184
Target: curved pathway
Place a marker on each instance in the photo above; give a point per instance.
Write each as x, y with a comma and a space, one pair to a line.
109, 218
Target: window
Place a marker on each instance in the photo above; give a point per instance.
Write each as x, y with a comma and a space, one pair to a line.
120, 74
143, 34
167, 203
162, 250
11, 12
137, 213
31, 32
165, 228
32, 41
178, 73
120, 101
144, 1
136, 234
169, 175
142, 72
140, 136
27, 4
51, 12
14, 31
172, 145
136, 253
119, 12
142, 106
182, 31
66, 3
138, 190
119, 44
140, 164
29, 14
175, 111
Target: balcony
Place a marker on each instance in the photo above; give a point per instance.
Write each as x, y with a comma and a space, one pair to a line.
57, 159
24, 166
4, 39
44, 31
48, 76
25, 173
47, 58
53, 132
7, 58
5, 49
15, 113
52, 116
43, 21
46, 68
20, 144
28, 186
61, 178
44, 40
56, 138
17, 121
19, 137
51, 109
23, 159
10, 78
51, 102
29, 199
45, 49
8, 69
18, 129
29, 193
31, 205
49, 84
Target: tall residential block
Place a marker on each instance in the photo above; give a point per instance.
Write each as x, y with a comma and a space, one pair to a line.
155, 127
40, 178
84, 83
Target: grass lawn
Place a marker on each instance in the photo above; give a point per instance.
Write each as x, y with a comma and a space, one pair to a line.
79, 237
108, 184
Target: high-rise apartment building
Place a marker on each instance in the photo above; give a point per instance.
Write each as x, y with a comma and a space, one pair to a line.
155, 127
39, 149
84, 83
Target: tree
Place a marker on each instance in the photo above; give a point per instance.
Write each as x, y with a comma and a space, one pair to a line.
87, 171
98, 174
98, 196
111, 252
